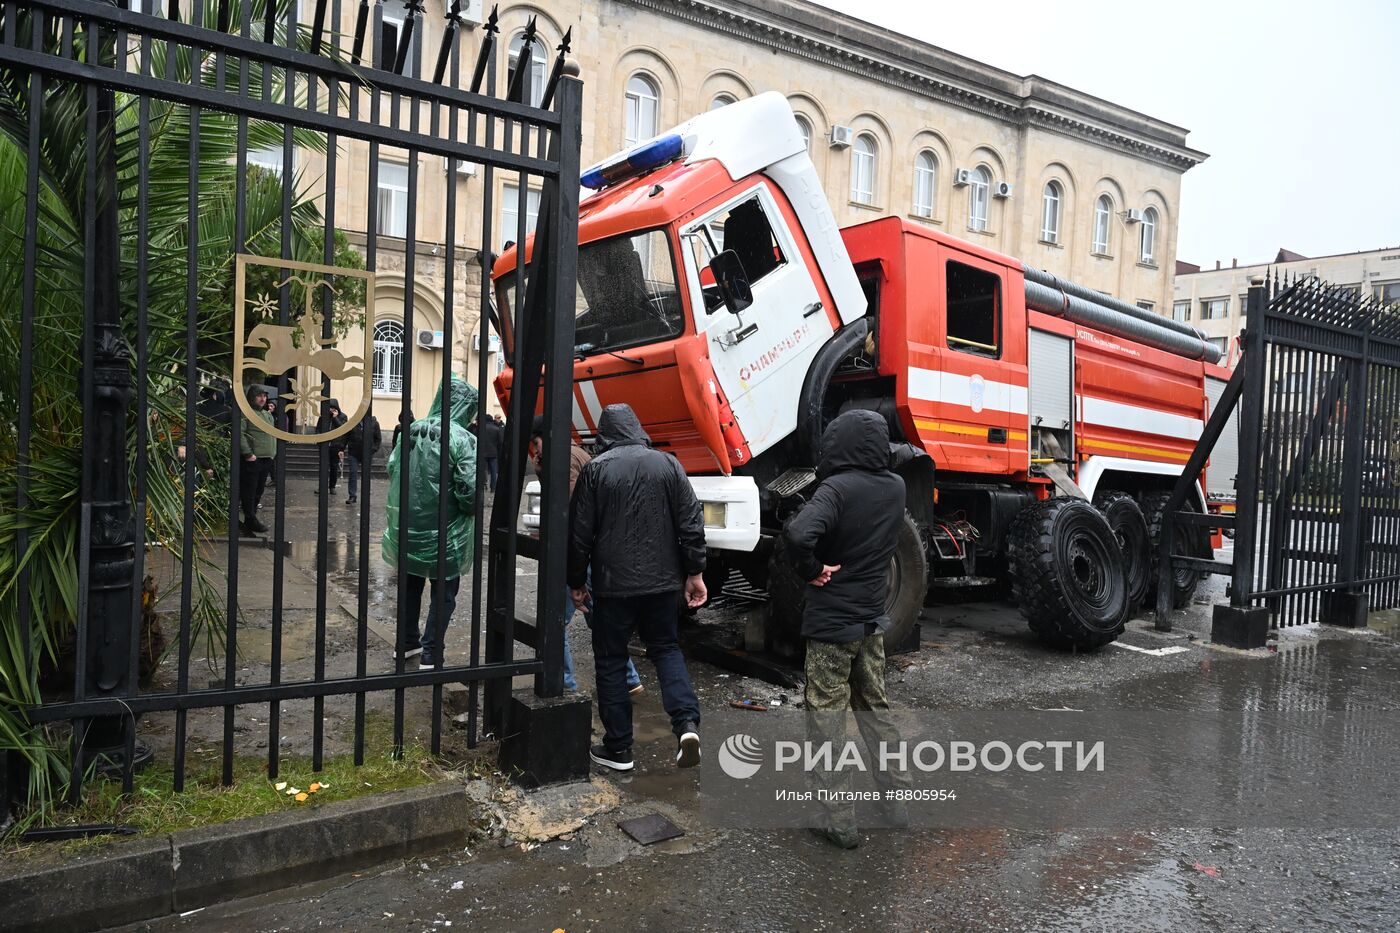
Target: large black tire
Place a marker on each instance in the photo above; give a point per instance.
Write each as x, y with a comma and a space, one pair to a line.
908, 576
1123, 515
1184, 582
1067, 574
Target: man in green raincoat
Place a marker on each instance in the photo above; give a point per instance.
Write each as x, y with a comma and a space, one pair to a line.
419, 515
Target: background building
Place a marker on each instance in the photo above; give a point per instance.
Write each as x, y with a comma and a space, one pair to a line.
1214, 299
1065, 181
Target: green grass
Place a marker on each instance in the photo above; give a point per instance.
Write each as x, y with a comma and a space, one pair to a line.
154, 807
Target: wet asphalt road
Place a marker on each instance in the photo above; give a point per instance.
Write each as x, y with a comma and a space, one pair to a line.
974, 655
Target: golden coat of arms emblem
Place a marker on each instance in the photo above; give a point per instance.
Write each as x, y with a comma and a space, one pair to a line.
300, 349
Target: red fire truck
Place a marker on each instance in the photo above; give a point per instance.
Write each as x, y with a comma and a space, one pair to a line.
1038, 424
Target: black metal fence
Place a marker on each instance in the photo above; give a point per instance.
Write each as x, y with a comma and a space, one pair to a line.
191, 176
1317, 523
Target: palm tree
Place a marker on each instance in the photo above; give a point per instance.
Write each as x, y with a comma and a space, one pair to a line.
55, 438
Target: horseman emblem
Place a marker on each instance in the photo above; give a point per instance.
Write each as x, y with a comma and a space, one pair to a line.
310, 362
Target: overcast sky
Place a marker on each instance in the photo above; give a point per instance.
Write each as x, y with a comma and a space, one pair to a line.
1297, 103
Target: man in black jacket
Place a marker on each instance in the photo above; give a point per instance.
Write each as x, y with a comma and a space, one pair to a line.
488, 447
355, 449
332, 419
636, 522
842, 543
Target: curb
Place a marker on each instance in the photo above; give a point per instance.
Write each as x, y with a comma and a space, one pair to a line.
148, 878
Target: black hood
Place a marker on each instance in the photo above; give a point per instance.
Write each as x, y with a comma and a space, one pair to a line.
254, 391
856, 440
619, 427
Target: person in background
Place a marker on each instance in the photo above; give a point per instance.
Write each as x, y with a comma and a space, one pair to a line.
578, 458
842, 542
355, 448
636, 525
488, 439
334, 418
258, 448
418, 516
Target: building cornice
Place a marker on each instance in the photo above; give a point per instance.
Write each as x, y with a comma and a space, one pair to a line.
923, 70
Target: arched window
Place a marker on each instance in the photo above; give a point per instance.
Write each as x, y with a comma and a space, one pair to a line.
1103, 211
537, 67
1147, 239
1050, 212
722, 100
978, 191
925, 181
863, 169
643, 102
388, 357
804, 126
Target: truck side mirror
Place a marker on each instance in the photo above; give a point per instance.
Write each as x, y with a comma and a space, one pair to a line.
731, 280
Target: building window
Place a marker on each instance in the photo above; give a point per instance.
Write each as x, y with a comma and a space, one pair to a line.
1181, 311
1103, 210
395, 12
1214, 309
537, 67
804, 127
974, 301
863, 169
267, 158
643, 102
722, 100
1147, 306
1244, 304
393, 199
925, 181
388, 357
1221, 344
1386, 292
1147, 238
1050, 213
978, 190
510, 212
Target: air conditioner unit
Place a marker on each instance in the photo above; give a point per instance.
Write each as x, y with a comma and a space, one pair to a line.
430, 339
470, 14
962, 178
842, 136
1132, 216
493, 344
463, 168
1002, 189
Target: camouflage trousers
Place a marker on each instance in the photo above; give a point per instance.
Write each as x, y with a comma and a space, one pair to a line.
843, 678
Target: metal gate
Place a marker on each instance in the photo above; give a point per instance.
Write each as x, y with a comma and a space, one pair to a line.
211, 189
1317, 523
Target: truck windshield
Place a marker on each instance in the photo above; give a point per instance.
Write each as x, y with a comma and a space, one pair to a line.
626, 293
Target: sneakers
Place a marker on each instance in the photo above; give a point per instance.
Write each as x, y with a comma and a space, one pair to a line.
426, 660
351, 501
413, 652
688, 747
843, 838
617, 761
635, 691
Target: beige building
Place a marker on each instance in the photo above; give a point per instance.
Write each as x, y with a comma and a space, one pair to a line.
1079, 186
1214, 299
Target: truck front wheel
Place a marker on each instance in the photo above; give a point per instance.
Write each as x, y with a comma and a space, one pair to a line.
1067, 574
908, 582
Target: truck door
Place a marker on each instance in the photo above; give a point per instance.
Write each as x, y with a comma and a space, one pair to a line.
761, 355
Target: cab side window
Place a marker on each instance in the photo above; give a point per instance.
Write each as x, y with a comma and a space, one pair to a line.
974, 310
745, 228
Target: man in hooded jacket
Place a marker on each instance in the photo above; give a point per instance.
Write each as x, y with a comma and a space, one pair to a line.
419, 452
257, 448
842, 543
636, 524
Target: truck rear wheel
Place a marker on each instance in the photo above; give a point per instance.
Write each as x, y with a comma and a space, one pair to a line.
908, 580
1121, 512
1067, 574
1184, 582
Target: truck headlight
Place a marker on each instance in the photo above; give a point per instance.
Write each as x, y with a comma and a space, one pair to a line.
532, 503
716, 514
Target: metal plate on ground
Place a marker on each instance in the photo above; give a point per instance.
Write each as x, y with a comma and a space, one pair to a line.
650, 829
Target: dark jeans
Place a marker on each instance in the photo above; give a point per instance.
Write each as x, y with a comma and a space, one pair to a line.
333, 470
352, 473
432, 637
252, 479
654, 618
491, 471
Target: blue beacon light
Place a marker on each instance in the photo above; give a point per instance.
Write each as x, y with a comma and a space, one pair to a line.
633, 163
